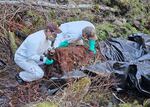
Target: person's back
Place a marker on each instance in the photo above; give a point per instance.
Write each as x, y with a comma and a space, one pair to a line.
75, 27
71, 31
30, 46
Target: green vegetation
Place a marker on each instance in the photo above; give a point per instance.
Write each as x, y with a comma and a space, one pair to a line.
134, 104
13, 45
46, 104
107, 29
81, 84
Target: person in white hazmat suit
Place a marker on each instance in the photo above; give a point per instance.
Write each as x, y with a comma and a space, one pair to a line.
76, 31
30, 54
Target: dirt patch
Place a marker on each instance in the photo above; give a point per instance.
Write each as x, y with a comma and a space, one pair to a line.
69, 58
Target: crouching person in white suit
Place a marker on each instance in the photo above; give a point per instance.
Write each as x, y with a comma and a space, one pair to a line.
31, 53
78, 32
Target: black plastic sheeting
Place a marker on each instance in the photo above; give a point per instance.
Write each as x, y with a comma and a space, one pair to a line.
128, 59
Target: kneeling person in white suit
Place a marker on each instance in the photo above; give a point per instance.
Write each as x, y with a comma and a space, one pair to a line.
30, 54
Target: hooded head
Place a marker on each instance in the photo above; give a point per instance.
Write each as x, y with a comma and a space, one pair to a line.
89, 33
52, 30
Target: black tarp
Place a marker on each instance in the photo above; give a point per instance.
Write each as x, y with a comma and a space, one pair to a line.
128, 59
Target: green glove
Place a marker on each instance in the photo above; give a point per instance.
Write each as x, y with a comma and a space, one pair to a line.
64, 44
92, 45
49, 61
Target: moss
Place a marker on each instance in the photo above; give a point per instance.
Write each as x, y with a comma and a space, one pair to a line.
69, 19
87, 16
125, 2
126, 30
137, 9
131, 8
97, 7
100, 98
143, 21
26, 30
134, 104
146, 31
128, 8
130, 28
104, 30
75, 92
52, 14
13, 45
81, 84
38, 20
47, 104
147, 103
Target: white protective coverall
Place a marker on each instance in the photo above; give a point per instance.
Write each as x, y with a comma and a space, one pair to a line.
28, 55
71, 32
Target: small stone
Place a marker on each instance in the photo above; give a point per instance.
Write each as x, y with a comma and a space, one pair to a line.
136, 24
53, 1
118, 22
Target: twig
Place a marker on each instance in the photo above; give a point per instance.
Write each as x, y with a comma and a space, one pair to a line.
15, 13
85, 104
118, 98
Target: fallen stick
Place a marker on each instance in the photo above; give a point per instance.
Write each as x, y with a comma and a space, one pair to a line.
67, 6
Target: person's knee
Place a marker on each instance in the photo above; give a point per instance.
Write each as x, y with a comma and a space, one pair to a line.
39, 74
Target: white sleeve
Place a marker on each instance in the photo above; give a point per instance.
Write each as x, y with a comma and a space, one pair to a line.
63, 28
58, 40
36, 58
32, 48
71, 38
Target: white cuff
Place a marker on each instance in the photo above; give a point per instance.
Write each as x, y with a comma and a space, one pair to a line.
44, 59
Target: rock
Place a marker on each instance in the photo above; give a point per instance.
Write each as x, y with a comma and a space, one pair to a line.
147, 25
53, 1
118, 22
137, 24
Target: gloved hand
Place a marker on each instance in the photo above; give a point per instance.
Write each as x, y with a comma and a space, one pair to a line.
46, 60
63, 44
49, 61
92, 45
